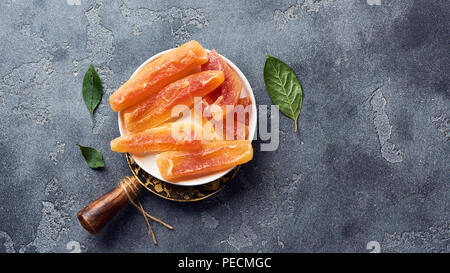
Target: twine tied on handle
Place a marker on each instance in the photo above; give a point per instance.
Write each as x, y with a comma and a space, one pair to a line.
131, 188
98, 213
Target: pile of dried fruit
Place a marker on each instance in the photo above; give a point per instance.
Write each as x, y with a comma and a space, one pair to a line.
189, 148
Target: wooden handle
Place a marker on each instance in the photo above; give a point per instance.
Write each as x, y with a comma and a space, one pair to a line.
97, 214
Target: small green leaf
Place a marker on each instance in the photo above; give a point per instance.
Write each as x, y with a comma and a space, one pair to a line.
93, 157
283, 87
92, 90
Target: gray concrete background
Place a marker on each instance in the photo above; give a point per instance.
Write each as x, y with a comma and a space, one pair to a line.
370, 162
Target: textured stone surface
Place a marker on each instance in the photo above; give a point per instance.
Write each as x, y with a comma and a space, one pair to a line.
369, 163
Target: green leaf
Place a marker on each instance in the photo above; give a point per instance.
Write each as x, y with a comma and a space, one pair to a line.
283, 87
93, 157
92, 90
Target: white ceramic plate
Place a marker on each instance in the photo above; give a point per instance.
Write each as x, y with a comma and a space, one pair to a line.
148, 163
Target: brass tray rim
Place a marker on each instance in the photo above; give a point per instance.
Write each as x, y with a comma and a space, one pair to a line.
235, 171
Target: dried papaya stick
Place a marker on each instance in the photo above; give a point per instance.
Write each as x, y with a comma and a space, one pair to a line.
155, 110
168, 137
151, 78
226, 94
211, 157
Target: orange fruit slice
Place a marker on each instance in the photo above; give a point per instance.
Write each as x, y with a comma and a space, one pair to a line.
226, 94
151, 78
155, 110
170, 136
213, 156
235, 124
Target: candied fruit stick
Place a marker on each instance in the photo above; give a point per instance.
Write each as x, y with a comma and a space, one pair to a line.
171, 66
155, 110
170, 136
245, 101
207, 130
241, 111
234, 125
206, 102
226, 94
238, 131
235, 131
213, 63
212, 157
246, 109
